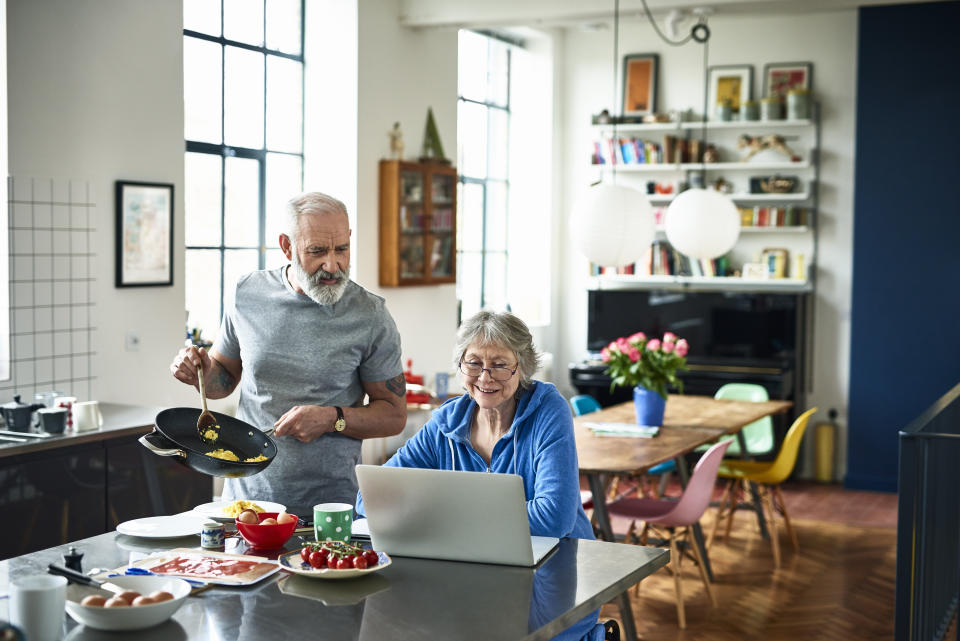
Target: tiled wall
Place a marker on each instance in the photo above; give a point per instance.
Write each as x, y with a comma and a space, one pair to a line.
52, 306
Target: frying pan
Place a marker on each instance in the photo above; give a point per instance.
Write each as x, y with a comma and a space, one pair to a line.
176, 435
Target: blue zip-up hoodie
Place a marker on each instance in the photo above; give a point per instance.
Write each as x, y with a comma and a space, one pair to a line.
539, 446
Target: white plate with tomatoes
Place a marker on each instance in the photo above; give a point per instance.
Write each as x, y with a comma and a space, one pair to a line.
307, 561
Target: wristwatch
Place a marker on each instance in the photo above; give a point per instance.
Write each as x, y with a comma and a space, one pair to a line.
340, 424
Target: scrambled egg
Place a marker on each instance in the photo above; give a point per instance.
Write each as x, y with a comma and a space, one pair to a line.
212, 433
226, 455
255, 459
235, 508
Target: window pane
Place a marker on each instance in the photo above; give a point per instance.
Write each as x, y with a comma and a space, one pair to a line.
495, 283
202, 177
472, 139
203, 291
472, 62
284, 104
498, 136
236, 263
202, 16
243, 21
470, 224
243, 94
241, 220
284, 181
499, 72
283, 25
202, 73
496, 217
468, 283
275, 258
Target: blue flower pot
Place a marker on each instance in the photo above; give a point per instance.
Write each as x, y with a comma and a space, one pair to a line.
649, 406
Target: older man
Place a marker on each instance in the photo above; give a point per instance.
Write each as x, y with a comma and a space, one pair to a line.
305, 343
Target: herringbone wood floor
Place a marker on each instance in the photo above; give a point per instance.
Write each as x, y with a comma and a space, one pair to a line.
839, 587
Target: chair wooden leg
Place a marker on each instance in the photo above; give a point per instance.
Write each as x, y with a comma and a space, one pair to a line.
771, 524
720, 513
664, 478
786, 519
734, 503
701, 566
675, 558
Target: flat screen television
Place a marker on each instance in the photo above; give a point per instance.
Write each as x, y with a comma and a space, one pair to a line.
720, 327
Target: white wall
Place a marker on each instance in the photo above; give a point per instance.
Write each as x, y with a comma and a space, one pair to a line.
96, 94
402, 72
828, 40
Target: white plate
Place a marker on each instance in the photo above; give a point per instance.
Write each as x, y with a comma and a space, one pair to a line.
215, 510
293, 563
163, 527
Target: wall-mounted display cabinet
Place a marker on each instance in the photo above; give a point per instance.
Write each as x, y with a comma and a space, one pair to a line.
418, 213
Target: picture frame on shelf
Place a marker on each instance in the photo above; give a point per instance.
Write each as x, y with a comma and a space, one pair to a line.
639, 96
781, 77
729, 82
144, 234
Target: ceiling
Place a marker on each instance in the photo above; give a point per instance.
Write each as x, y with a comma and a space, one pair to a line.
592, 13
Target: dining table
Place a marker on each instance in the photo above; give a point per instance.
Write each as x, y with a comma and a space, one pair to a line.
689, 421
410, 599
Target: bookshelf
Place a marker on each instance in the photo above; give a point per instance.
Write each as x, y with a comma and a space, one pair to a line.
782, 224
418, 213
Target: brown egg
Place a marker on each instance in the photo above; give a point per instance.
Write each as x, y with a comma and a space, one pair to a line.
116, 602
268, 521
248, 516
94, 601
143, 600
283, 517
127, 595
159, 596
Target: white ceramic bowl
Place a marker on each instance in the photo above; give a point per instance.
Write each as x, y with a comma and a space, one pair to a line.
133, 617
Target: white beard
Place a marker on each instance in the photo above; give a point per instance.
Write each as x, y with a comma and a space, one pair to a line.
311, 284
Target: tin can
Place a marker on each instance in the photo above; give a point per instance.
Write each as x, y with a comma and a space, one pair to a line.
798, 104
750, 110
212, 535
771, 109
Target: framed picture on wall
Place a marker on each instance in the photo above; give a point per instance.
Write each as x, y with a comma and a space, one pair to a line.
781, 77
144, 234
733, 83
640, 84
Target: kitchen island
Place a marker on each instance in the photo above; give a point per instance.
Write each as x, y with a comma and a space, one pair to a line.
77, 484
413, 599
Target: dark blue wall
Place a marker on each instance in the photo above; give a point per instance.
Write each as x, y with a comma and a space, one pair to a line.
905, 324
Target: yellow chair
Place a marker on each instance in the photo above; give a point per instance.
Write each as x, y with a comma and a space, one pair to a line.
767, 476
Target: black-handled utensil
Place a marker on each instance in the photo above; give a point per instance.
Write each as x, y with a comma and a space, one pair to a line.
83, 579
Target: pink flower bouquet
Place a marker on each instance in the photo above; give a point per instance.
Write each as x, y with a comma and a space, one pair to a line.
651, 363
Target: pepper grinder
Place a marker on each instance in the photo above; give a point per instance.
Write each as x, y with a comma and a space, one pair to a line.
73, 559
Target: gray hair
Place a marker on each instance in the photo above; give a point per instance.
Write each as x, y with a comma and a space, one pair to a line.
308, 203
502, 329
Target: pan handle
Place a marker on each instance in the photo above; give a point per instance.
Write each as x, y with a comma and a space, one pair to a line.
160, 451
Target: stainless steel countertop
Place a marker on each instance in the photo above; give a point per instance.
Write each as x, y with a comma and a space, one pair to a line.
412, 599
118, 420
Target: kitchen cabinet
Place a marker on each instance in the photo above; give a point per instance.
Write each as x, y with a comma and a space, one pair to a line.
418, 211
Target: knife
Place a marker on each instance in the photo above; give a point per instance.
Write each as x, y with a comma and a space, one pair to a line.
83, 579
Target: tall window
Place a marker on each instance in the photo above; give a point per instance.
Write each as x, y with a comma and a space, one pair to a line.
483, 122
243, 120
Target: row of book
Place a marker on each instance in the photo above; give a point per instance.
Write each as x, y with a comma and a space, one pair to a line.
637, 151
773, 216
663, 260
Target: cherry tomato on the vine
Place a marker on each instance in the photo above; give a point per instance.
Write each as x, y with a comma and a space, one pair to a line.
317, 560
346, 563
372, 557
360, 562
305, 553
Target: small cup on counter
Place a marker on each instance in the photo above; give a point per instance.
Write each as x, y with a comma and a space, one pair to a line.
37, 604
52, 420
86, 416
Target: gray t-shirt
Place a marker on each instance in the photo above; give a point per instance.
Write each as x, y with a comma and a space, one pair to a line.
297, 352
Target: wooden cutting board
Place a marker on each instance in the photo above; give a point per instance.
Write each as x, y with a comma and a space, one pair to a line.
213, 567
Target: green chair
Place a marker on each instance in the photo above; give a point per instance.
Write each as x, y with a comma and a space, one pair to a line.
759, 434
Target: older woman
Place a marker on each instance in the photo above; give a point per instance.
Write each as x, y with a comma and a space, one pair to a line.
506, 423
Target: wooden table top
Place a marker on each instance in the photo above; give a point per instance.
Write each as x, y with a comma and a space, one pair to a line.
689, 421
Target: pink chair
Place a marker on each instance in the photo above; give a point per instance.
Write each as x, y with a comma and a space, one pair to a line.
677, 519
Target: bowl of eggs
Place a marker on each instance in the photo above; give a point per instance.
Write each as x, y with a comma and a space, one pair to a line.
266, 530
143, 602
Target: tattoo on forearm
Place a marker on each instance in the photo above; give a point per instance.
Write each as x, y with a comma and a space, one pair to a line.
223, 382
397, 385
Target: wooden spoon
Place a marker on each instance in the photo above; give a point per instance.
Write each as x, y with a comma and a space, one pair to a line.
206, 424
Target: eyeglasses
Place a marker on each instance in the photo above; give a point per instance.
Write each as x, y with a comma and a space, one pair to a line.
497, 372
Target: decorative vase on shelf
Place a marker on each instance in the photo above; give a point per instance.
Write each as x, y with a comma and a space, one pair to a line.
648, 405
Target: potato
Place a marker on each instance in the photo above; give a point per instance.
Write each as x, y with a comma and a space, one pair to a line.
248, 516
94, 601
160, 596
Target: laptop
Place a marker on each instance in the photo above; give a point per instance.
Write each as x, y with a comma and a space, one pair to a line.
456, 516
